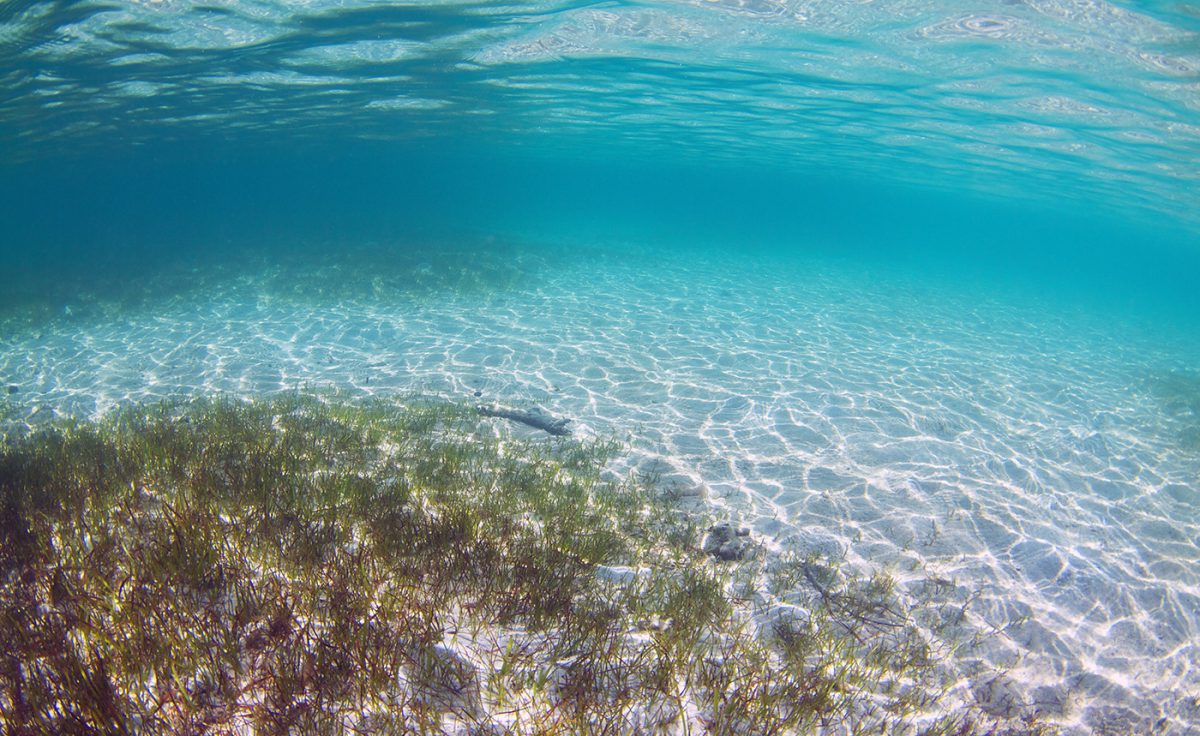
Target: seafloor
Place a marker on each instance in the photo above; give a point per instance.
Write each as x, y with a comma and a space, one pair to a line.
1040, 457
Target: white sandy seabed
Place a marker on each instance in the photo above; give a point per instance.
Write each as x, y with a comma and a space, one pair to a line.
1019, 451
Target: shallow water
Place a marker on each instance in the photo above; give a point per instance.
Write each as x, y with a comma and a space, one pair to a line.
913, 283
1029, 455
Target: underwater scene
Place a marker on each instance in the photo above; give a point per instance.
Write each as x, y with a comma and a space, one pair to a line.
628, 366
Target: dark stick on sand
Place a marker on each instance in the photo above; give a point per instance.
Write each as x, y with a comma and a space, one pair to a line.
534, 417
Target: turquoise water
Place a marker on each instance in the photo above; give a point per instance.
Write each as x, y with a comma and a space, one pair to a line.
913, 283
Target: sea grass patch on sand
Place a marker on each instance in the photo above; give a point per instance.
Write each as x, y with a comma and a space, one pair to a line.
83, 289
1179, 395
307, 565
386, 273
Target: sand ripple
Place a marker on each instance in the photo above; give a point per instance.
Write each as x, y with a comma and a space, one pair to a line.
1017, 453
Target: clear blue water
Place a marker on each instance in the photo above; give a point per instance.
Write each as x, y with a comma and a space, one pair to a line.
1067, 133
815, 251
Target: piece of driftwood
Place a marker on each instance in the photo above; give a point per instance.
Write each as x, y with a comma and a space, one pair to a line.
534, 417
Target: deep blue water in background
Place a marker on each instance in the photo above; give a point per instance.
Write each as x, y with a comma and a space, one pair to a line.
128, 213
152, 205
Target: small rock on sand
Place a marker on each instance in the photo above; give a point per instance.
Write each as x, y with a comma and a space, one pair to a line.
727, 543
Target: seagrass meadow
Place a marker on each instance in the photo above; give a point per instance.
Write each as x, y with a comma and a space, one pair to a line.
312, 564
